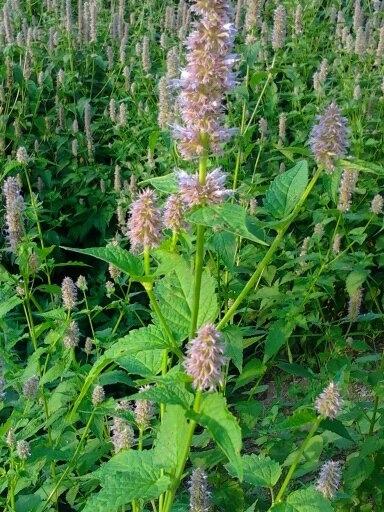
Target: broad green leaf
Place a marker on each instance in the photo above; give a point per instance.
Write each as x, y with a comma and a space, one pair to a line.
228, 217
175, 295
170, 392
172, 438
223, 427
259, 470
337, 427
285, 190
138, 343
117, 256
308, 500
234, 345
166, 184
7, 305
129, 475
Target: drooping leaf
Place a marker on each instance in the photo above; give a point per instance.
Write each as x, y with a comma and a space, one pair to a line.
117, 256
285, 190
223, 427
228, 217
172, 438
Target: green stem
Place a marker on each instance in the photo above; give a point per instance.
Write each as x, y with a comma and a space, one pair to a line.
374, 415
297, 460
268, 256
200, 231
270, 75
89, 316
170, 496
156, 308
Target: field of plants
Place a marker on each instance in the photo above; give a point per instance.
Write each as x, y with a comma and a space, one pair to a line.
191, 256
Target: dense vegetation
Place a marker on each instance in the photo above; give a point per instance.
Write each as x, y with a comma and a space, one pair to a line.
191, 283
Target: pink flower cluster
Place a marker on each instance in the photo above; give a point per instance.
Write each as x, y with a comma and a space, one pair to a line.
205, 79
205, 358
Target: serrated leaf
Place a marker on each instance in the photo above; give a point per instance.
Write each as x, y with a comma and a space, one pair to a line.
117, 256
139, 343
259, 470
285, 190
308, 500
129, 475
228, 217
172, 438
175, 296
173, 393
223, 427
305, 500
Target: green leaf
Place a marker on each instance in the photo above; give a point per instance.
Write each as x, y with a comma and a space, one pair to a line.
234, 345
337, 427
277, 336
141, 343
170, 392
304, 500
224, 428
166, 184
308, 500
117, 256
129, 475
285, 190
298, 418
259, 470
7, 305
228, 217
175, 296
172, 438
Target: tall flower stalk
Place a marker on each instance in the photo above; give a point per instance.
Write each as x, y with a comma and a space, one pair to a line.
204, 81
